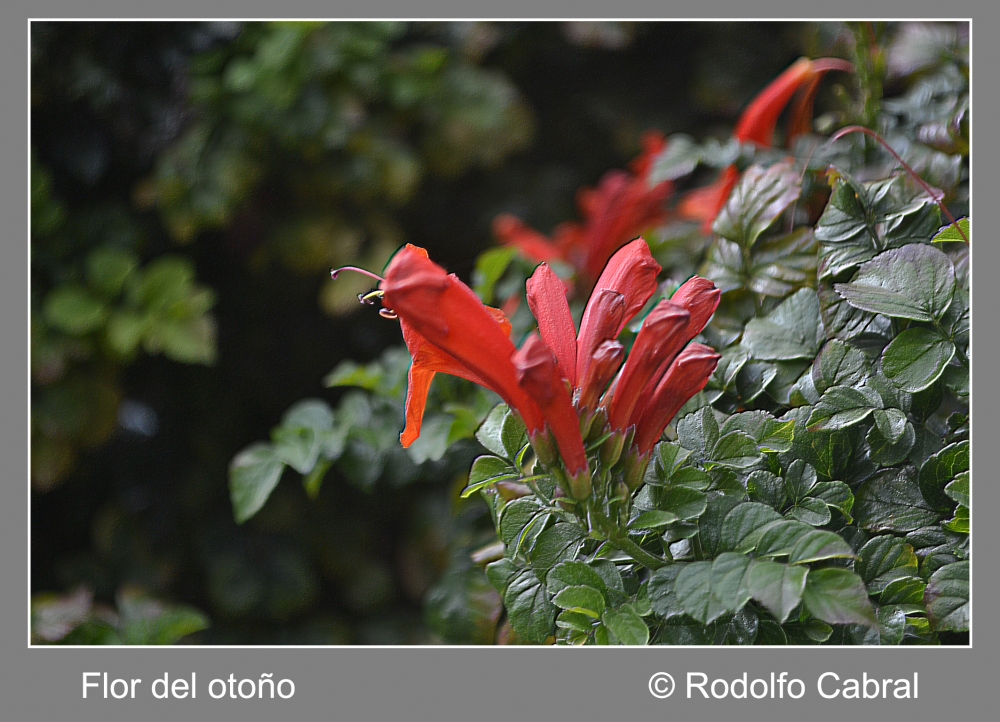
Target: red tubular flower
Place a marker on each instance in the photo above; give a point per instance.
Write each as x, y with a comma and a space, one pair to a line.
627, 283
666, 330
757, 125
538, 375
448, 329
547, 301
602, 368
686, 376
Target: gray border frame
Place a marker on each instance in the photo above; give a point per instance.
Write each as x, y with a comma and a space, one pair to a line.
489, 683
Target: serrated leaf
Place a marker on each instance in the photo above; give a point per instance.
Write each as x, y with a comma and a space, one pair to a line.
780, 538
627, 626
573, 574
886, 452
683, 502
661, 591
490, 432
842, 406
488, 470
838, 596
916, 358
743, 526
818, 545
811, 511
835, 494
560, 542
729, 582
947, 598
699, 430
585, 600
769, 433
253, 474
884, 559
891, 501
767, 488
653, 519
799, 479
958, 490
693, 591
960, 523
941, 469
777, 586
891, 424
736, 450
529, 610
916, 282
792, 330
761, 195
838, 364
521, 519
905, 591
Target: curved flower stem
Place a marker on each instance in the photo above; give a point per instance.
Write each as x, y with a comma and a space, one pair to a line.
920, 181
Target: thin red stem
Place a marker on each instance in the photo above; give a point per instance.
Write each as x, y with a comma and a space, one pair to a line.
938, 198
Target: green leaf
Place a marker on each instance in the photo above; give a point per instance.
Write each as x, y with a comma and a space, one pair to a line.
777, 586
783, 264
684, 502
800, 478
906, 591
768, 433
765, 487
744, 525
781, 537
950, 233
574, 573
792, 330
958, 490
729, 580
761, 195
891, 501
559, 542
916, 358
838, 364
888, 453
253, 474
491, 431
960, 523
711, 521
297, 447
521, 520
661, 591
811, 511
818, 545
736, 450
107, 269
835, 494
916, 282
891, 424
699, 430
490, 267
947, 598
71, 308
842, 406
653, 519
941, 469
693, 591
838, 596
149, 622
487, 470
585, 600
627, 626
529, 610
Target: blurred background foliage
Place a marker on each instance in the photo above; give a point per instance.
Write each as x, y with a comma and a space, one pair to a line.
191, 186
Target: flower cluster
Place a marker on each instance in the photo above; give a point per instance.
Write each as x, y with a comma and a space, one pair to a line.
564, 385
